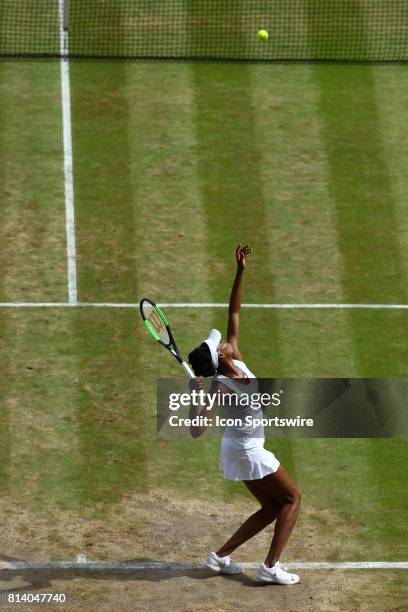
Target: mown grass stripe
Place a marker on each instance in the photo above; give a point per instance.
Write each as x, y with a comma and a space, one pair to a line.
362, 189
111, 433
40, 397
32, 233
391, 90
391, 87
111, 423
171, 234
32, 224
304, 257
105, 229
360, 184
168, 217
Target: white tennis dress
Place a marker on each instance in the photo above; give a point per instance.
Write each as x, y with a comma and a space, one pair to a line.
243, 456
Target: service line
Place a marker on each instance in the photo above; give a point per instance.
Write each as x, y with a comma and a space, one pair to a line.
198, 305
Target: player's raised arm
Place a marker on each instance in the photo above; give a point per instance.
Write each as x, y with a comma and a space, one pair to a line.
235, 300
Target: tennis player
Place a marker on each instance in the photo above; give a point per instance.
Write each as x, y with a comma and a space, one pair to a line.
243, 456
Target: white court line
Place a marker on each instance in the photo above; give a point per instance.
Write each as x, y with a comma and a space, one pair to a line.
68, 164
173, 566
197, 305
400, 306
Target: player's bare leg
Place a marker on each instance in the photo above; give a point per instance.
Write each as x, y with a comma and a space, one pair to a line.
280, 486
268, 512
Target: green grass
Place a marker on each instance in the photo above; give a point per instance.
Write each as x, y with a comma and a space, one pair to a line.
173, 165
32, 218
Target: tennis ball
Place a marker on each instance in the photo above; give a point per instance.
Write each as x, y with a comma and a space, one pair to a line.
263, 34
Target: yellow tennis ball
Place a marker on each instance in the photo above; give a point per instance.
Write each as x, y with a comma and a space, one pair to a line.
263, 34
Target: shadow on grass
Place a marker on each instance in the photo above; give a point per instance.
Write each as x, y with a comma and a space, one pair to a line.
44, 578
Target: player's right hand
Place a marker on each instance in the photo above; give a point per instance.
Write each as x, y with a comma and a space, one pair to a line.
196, 384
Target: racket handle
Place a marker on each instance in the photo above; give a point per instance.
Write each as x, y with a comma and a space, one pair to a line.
187, 369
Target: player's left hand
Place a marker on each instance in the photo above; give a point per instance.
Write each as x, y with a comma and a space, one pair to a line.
240, 253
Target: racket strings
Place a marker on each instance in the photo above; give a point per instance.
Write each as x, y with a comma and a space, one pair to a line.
156, 322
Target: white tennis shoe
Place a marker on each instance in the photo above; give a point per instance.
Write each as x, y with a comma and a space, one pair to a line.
277, 574
222, 565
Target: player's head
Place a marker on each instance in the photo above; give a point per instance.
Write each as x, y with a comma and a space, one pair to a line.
204, 359
201, 361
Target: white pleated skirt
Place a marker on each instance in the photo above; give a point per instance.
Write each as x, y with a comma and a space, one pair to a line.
246, 459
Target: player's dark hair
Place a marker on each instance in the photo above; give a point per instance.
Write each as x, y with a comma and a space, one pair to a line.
201, 361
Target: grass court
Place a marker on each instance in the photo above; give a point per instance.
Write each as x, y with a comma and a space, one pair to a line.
173, 165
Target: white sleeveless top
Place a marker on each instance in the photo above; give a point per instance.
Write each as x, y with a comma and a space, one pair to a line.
243, 456
238, 412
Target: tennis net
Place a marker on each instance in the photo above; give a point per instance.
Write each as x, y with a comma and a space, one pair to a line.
299, 30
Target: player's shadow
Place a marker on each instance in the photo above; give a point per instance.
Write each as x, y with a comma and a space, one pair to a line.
41, 579
33, 579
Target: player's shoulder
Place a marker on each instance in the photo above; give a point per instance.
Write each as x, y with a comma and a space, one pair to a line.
242, 365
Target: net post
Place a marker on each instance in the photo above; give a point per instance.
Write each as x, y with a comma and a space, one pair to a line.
65, 15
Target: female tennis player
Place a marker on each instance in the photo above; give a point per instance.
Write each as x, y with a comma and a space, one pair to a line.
243, 456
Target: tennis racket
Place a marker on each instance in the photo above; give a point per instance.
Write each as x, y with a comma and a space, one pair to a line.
159, 328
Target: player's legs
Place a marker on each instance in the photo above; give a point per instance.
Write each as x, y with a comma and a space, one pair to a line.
281, 488
268, 512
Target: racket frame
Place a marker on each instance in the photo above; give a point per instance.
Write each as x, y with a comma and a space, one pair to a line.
172, 346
